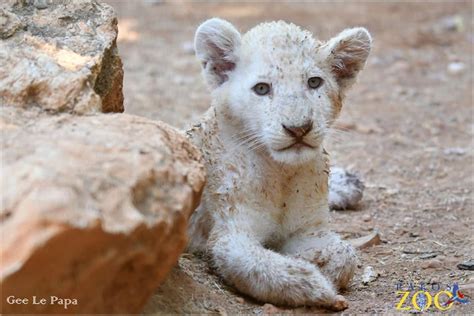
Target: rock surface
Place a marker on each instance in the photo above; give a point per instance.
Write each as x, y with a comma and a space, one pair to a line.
60, 56
94, 208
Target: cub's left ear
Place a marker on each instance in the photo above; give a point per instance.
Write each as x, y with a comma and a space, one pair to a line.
346, 54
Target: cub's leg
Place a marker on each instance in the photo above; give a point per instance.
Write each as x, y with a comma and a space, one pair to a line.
335, 258
345, 189
269, 276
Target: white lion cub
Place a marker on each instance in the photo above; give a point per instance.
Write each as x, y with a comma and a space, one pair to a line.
263, 216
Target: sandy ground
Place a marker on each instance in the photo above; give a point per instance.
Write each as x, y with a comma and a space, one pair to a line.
407, 129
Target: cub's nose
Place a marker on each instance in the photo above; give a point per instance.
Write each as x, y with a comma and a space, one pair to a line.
298, 131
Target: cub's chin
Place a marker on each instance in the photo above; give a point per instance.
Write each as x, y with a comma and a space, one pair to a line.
296, 155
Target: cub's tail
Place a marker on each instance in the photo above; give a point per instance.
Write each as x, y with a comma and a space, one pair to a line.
345, 189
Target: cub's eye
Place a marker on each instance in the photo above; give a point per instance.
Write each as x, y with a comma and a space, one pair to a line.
261, 88
315, 82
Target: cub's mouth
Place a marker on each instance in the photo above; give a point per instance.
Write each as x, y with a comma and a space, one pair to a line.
299, 145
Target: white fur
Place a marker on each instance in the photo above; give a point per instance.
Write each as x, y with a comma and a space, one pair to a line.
345, 189
264, 212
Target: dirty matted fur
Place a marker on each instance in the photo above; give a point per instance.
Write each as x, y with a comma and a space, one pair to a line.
264, 211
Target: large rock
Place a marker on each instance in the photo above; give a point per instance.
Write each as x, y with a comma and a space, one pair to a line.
94, 208
60, 55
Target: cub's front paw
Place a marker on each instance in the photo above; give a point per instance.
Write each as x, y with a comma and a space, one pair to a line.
340, 303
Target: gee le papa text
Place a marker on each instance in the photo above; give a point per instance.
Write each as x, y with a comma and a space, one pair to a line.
35, 300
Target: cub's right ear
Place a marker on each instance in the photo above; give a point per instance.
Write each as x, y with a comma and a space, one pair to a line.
216, 44
347, 53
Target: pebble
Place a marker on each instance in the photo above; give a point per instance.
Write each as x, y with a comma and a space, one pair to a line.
458, 151
431, 264
369, 275
41, 4
452, 23
429, 255
466, 265
456, 68
366, 218
240, 300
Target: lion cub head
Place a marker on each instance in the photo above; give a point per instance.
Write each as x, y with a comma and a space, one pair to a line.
278, 86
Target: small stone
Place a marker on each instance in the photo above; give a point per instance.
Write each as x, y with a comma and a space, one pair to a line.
366, 218
413, 234
369, 275
429, 255
456, 68
455, 151
452, 23
240, 300
431, 264
41, 4
466, 265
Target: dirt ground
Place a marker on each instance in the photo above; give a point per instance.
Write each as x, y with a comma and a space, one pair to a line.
406, 128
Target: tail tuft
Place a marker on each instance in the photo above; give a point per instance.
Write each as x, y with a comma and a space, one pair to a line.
345, 189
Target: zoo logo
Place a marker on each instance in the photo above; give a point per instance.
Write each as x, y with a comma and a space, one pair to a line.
422, 299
